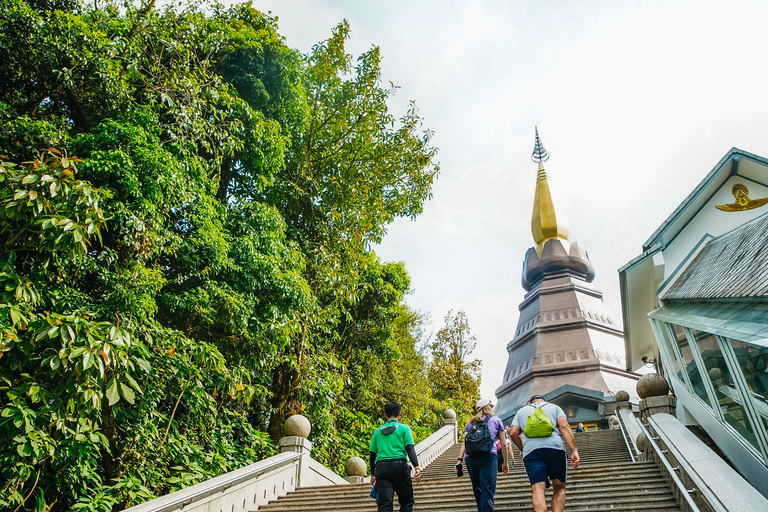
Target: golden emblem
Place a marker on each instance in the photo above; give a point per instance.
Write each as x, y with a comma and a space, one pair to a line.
743, 202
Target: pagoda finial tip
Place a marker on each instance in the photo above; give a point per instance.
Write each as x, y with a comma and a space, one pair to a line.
539, 153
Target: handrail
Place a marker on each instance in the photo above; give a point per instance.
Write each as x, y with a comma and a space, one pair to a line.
623, 427
627, 418
302, 471
422, 446
669, 468
435, 445
188, 495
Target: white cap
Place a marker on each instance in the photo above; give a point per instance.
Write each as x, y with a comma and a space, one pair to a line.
482, 403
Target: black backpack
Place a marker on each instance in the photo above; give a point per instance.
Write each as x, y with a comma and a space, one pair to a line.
478, 440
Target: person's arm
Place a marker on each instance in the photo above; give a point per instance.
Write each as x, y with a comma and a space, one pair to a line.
411, 451
372, 459
514, 434
462, 451
372, 451
565, 430
503, 438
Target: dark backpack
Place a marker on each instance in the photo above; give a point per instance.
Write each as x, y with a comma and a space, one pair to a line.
478, 440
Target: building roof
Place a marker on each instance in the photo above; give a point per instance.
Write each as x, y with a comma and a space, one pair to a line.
745, 321
733, 265
735, 162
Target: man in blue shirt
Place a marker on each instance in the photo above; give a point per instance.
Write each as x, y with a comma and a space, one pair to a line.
390, 445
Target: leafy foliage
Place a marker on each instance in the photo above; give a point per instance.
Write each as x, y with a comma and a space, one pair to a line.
203, 268
451, 375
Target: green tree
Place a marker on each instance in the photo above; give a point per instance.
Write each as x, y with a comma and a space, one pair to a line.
187, 292
341, 395
452, 375
349, 172
203, 269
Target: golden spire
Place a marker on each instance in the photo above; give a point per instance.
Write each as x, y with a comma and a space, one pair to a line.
547, 222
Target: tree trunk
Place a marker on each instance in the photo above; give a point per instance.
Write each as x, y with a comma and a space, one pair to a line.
110, 458
224, 179
286, 384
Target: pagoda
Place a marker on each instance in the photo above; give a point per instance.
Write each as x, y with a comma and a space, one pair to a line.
566, 346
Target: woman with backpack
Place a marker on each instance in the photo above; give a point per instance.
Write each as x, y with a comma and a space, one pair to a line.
478, 452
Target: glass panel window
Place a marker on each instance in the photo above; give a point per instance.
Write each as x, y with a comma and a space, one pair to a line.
753, 362
677, 333
689, 364
729, 399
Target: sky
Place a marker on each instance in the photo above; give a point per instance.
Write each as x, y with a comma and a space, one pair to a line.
635, 102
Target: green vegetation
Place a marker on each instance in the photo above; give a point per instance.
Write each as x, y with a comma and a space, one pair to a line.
202, 268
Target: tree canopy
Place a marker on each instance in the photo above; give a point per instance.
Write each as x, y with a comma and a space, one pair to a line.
452, 375
187, 208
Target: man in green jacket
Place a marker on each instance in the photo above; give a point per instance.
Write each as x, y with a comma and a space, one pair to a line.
390, 445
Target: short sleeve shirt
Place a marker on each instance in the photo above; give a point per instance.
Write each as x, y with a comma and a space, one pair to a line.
494, 427
555, 440
391, 446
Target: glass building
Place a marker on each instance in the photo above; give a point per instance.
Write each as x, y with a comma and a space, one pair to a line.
695, 304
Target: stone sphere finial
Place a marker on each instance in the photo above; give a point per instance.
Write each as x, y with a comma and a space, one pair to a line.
622, 396
449, 414
297, 425
640, 441
355, 467
652, 384
614, 421
715, 374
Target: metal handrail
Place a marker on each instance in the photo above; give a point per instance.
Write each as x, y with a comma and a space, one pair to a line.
669, 468
622, 427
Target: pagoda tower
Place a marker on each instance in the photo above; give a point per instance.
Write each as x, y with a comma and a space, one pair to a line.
566, 346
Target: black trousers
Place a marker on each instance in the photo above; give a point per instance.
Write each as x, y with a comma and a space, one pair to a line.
394, 476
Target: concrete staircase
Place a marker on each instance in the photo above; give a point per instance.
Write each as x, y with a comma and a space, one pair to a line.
606, 480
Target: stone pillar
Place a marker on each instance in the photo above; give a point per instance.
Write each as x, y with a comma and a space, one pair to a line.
356, 470
449, 418
295, 432
653, 389
622, 401
642, 443
613, 422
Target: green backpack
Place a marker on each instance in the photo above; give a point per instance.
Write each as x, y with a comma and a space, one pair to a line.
538, 424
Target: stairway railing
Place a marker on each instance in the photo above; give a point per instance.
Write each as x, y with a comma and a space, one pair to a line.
436, 444
683, 493
630, 431
623, 428
715, 486
247, 488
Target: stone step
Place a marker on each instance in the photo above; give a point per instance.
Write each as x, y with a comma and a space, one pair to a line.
521, 501
648, 476
605, 468
595, 448
608, 472
638, 483
640, 487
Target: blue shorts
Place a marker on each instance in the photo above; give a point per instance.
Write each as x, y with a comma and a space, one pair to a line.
546, 464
